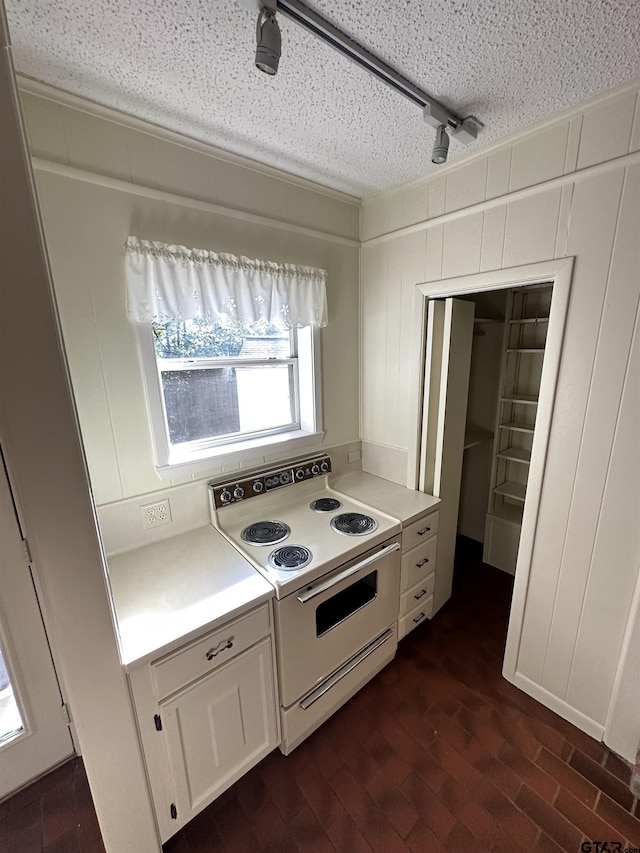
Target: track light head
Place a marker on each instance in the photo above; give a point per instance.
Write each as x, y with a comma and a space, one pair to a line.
268, 41
440, 146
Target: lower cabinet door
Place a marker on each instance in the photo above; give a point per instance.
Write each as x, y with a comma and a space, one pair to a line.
219, 727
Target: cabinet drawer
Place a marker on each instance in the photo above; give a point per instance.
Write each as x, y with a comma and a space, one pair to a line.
417, 594
417, 563
419, 531
415, 617
193, 661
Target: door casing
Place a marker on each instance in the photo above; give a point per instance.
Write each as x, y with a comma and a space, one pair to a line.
559, 272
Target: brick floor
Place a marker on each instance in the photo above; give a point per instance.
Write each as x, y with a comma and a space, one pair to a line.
437, 753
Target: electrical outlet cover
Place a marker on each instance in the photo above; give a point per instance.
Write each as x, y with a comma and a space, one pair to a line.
156, 514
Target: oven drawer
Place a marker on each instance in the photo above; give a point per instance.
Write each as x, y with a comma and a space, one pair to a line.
192, 662
418, 562
415, 617
419, 531
301, 719
417, 594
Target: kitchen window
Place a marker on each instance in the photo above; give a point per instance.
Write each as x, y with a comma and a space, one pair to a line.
229, 352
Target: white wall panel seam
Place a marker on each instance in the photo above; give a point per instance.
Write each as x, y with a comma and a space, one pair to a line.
561, 251
606, 481
587, 173
580, 445
604, 489
571, 168
107, 395
636, 122
633, 124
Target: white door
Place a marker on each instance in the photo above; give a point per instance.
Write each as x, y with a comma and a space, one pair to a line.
34, 734
446, 389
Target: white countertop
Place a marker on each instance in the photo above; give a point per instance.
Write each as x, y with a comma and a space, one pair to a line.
179, 588
404, 504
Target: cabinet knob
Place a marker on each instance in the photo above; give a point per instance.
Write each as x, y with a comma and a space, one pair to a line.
423, 531
422, 563
222, 646
419, 595
419, 618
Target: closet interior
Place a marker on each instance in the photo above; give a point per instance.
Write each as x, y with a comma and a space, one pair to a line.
509, 334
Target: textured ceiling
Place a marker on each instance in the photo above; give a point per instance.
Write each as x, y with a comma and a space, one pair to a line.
188, 65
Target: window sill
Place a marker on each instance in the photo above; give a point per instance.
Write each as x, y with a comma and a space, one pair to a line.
201, 464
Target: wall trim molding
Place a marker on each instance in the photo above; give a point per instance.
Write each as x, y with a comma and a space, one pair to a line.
72, 172
67, 99
509, 197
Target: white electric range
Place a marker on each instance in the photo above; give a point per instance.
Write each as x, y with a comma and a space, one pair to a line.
334, 563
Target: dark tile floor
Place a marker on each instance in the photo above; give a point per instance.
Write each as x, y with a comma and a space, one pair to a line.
438, 753
55, 814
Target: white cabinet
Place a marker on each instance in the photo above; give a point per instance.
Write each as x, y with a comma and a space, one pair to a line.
418, 573
206, 714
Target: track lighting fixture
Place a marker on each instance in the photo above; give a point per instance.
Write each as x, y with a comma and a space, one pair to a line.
440, 146
268, 41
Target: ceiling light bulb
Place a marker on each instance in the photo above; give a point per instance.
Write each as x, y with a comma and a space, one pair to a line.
268, 42
440, 146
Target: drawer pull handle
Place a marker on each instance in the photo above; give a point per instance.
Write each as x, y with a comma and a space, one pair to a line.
419, 618
222, 646
420, 594
422, 563
423, 531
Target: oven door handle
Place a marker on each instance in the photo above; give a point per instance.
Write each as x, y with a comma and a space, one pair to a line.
326, 685
312, 591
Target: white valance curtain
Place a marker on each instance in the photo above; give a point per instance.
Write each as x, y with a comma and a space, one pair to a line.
172, 282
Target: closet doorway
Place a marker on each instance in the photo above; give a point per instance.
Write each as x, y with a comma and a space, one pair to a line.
508, 389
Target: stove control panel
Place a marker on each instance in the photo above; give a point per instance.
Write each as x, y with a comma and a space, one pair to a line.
261, 482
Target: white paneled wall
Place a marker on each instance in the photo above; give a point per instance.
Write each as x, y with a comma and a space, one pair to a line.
571, 188
87, 220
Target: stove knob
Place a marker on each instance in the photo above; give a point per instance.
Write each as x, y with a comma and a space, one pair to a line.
315, 470
225, 496
257, 486
238, 492
284, 478
324, 467
299, 474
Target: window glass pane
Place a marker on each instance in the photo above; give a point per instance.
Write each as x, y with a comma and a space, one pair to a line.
201, 339
222, 401
10, 719
264, 397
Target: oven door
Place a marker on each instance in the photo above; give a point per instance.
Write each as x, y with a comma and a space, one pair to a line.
322, 625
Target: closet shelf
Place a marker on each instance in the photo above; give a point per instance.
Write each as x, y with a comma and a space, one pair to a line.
528, 320
515, 454
526, 349
474, 435
516, 491
524, 399
509, 512
517, 426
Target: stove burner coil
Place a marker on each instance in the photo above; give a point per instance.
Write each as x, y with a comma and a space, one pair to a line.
353, 523
265, 533
290, 557
325, 505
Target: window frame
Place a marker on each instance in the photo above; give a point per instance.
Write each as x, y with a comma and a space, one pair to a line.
198, 457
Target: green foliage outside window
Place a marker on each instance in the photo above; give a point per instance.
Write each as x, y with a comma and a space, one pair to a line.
199, 338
